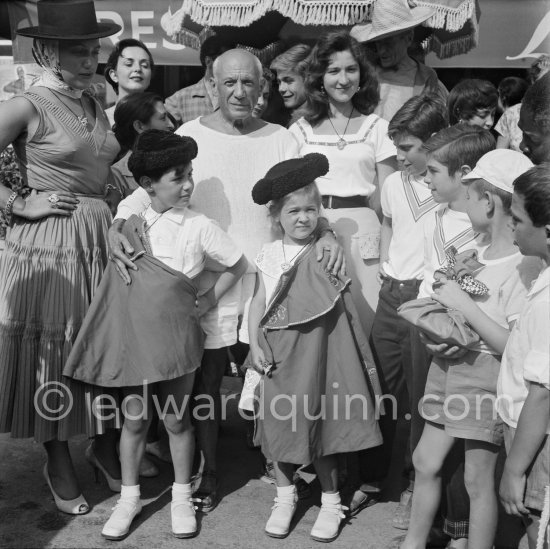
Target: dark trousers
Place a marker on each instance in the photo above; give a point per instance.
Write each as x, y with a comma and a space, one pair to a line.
390, 341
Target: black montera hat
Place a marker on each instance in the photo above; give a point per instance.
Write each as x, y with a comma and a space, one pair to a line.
160, 150
68, 20
289, 176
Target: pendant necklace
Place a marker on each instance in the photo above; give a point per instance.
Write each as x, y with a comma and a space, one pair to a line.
286, 265
82, 118
342, 142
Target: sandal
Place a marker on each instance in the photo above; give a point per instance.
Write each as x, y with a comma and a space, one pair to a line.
362, 499
402, 515
206, 497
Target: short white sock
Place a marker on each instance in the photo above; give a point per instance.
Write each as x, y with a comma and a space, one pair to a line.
332, 499
127, 492
181, 489
285, 491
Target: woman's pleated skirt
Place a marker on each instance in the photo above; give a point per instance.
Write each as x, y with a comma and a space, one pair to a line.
49, 271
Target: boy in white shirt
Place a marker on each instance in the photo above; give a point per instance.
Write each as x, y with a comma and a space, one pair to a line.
523, 387
452, 153
460, 392
406, 200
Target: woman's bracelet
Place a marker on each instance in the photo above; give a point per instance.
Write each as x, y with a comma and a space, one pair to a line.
8, 210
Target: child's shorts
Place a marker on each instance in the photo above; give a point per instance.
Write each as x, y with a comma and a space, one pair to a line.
538, 474
460, 395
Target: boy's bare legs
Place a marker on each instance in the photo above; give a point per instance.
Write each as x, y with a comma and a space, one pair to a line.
134, 434
175, 399
428, 458
479, 478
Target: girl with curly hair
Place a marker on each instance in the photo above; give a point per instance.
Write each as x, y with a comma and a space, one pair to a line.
342, 93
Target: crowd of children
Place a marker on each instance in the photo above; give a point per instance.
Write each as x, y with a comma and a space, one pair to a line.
457, 201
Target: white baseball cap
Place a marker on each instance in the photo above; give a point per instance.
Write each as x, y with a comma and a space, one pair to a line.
500, 168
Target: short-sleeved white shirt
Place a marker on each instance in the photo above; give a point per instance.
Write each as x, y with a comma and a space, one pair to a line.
352, 170
406, 200
508, 279
183, 239
445, 228
526, 358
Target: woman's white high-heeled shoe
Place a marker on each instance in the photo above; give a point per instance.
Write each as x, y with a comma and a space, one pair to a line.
76, 506
114, 483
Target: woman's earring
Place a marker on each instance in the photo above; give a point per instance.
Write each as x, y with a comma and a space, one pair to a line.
323, 91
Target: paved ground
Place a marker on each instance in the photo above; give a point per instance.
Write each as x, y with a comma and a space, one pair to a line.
29, 519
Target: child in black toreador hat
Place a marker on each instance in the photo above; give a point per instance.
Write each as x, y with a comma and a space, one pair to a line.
145, 338
314, 399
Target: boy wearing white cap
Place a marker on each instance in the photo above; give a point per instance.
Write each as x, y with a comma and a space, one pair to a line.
460, 393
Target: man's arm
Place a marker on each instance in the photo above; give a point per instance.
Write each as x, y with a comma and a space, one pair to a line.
120, 249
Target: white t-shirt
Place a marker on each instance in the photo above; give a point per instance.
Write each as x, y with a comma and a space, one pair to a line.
508, 279
444, 228
352, 170
183, 239
406, 200
225, 170
526, 358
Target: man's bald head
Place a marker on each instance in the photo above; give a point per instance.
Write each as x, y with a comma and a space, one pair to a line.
237, 55
238, 83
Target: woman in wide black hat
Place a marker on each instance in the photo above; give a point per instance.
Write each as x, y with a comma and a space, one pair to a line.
55, 250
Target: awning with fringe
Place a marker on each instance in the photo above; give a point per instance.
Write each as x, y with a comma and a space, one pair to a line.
450, 14
452, 30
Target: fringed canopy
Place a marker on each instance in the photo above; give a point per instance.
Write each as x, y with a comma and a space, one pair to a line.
453, 26
241, 13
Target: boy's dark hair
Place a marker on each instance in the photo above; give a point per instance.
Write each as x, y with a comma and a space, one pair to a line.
421, 116
459, 145
470, 96
115, 54
534, 188
213, 47
481, 186
367, 96
511, 90
537, 102
159, 151
137, 106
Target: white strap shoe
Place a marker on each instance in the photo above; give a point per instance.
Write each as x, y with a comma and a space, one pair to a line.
327, 525
124, 512
184, 522
282, 512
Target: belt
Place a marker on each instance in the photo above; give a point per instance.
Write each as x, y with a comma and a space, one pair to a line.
334, 202
395, 283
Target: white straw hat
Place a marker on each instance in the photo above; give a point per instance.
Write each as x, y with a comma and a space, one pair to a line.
390, 17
